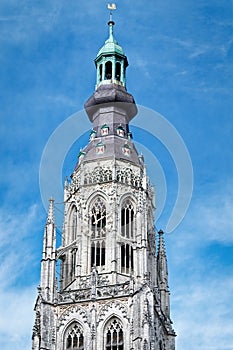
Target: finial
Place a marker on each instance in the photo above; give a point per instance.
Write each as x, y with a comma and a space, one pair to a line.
111, 22
111, 8
161, 243
50, 218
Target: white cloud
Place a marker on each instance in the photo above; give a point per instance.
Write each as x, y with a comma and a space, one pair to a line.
24, 25
203, 314
212, 217
201, 286
15, 226
208, 220
217, 214
16, 298
16, 309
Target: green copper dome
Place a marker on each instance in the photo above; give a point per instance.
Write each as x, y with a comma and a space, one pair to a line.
111, 61
111, 46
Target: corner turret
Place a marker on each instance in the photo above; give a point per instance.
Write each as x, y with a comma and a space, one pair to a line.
48, 262
163, 275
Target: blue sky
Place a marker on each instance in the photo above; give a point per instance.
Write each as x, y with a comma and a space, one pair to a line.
181, 65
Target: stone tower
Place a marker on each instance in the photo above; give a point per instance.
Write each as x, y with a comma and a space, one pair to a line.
113, 290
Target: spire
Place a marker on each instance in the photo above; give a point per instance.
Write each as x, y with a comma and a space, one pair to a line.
111, 22
162, 260
111, 107
48, 261
111, 61
163, 275
50, 217
161, 251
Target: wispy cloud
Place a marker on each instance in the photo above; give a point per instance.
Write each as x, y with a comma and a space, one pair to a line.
19, 23
16, 321
16, 298
203, 314
212, 215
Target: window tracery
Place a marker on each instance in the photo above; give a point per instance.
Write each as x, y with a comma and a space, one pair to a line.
98, 175
98, 232
127, 176
127, 231
114, 336
74, 339
127, 220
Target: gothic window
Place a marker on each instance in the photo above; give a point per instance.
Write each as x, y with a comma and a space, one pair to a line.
62, 270
127, 220
73, 224
74, 339
98, 218
108, 70
127, 264
73, 263
98, 232
118, 71
114, 336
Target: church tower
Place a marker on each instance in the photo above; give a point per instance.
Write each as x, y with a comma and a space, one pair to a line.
113, 290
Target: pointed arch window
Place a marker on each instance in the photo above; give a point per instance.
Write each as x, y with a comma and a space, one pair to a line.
127, 220
74, 339
74, 224
98, 218
73, 263
114, 335
98, 232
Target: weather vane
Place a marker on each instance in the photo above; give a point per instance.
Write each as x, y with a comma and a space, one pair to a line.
111, 7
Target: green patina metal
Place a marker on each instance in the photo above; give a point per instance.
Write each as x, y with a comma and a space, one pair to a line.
105, 126
111, 46
111, 61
